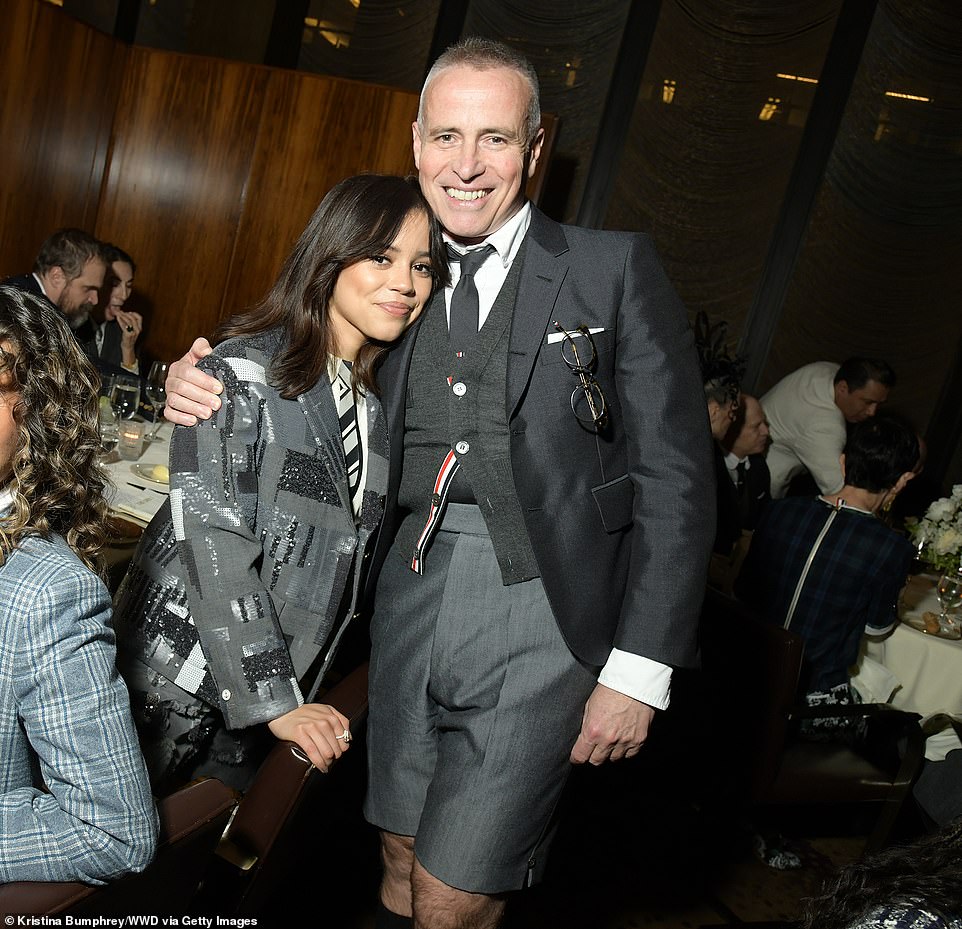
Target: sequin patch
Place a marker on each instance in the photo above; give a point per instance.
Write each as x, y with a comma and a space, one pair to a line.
308, 477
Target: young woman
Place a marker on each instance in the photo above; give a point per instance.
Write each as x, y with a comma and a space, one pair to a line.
243, 585
118, 344
75, 802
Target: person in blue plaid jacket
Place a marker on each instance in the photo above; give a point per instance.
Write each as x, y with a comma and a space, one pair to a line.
859, 564
75, 802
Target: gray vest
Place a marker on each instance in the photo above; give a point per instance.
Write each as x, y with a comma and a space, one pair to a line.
474, 404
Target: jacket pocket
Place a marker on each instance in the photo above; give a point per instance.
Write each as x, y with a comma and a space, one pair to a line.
615, 500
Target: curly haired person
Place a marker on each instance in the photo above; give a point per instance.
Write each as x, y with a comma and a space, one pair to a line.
75, 803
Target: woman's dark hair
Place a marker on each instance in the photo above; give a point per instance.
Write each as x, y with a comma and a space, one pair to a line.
358, 218
58, 481
922, 875
114, 253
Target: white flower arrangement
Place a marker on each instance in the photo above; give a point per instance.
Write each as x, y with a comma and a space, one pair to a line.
938, 534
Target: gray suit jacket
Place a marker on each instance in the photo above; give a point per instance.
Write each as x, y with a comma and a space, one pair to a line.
239, 586
621, 523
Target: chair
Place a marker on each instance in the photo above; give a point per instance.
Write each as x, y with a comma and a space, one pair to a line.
751, 670
191, 822
258, 847
723, 569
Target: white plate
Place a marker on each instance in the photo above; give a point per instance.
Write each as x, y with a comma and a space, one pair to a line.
918, 623
146, 472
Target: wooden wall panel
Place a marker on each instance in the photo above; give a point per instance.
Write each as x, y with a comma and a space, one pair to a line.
184, 136
206, 170
59, 81
316, 131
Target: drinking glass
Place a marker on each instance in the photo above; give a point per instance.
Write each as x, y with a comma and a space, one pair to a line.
109, 436
949, 590
156, 393
125, 396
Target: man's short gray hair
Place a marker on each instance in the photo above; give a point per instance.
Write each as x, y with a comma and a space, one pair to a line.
70, 250
484, 55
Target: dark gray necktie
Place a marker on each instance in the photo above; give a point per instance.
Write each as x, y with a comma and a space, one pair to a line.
465, 313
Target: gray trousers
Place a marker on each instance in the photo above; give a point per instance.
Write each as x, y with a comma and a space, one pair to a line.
475, 704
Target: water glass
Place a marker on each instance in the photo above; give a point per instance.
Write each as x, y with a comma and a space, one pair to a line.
125, 396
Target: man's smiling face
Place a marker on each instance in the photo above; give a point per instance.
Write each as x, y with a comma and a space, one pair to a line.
471, 150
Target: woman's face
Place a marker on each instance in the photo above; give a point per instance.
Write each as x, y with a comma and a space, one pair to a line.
123, 275
379, 297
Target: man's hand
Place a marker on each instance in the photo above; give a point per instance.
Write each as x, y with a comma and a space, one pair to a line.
191, 394
321, 732
614, 726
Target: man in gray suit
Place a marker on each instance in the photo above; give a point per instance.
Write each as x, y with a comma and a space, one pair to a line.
550, 512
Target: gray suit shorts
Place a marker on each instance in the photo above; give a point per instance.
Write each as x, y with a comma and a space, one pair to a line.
476, 702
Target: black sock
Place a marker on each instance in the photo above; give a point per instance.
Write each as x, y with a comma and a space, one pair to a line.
385, 919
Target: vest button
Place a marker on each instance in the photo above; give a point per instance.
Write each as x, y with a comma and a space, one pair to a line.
225, 695
460, 389
462, 448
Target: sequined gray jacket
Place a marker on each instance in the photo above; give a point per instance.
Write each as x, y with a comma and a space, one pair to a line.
251, 571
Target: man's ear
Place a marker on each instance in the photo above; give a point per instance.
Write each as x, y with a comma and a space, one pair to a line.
534, 152
416, 143
841, 461
54, 281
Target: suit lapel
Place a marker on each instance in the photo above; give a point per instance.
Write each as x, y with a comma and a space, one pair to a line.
375, 488
542, 274
393, 378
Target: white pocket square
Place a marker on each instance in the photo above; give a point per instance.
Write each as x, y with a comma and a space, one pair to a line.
558, 336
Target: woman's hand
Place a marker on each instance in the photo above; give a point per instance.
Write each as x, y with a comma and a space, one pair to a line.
319, 730
131, 325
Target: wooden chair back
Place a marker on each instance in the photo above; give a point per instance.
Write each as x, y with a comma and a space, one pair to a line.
257, 848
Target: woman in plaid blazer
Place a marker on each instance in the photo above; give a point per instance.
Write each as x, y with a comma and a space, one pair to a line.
75, 803
243, 585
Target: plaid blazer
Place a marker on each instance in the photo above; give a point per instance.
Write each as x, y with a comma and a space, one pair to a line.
65, 726
253, 568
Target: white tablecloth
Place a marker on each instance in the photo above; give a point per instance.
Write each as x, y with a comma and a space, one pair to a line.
928, 669
132, 495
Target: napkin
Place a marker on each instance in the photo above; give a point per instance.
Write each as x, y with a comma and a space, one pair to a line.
141, 504
874, 682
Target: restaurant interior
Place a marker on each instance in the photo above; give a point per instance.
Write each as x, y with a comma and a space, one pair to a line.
799, 168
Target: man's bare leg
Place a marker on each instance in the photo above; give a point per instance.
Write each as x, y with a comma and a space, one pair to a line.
435, 904
397, 858
439, 906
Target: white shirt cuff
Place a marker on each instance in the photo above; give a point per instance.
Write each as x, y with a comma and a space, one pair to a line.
638, 677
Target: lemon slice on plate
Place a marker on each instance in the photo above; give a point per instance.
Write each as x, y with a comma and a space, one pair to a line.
159, 473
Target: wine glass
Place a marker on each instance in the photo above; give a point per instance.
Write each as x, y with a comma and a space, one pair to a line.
949, 590
125, 396
157, 393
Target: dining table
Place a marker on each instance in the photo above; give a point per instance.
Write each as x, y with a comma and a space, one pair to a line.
137, 489
920, 671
